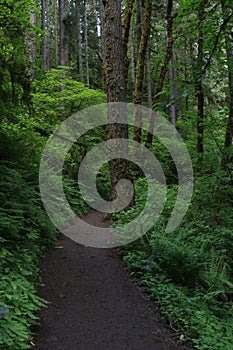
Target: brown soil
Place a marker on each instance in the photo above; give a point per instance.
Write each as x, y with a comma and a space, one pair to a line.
94, 304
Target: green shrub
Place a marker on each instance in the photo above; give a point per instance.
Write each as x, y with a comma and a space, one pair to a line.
189, 271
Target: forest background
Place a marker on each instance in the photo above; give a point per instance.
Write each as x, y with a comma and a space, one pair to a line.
56, 58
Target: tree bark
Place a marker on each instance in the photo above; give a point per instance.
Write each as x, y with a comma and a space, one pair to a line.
62, 32
140, 69
198, 80
138, 23
115, 85
102, 55
79, 41
126, 31
227, 8
148, 79
44, 39
132, 58
49, 48
56, 33
31, 44
101, 11
64, 45
164, 68
85, 23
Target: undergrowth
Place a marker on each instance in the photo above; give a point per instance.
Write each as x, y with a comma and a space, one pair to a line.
188, 272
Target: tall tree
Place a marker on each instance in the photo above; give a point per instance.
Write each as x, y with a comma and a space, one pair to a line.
228, 10
140, 68
115, 84
85, 24
56, 36
79, 40
138, 23
199, 78
62, 32
64, 44
31, 43
114, 52
49, 39
169, 50
132, 56
44, 39
126, 32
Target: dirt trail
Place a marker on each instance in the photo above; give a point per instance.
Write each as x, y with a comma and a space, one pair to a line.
93, 303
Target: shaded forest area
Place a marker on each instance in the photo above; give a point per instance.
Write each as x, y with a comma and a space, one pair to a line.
59, 57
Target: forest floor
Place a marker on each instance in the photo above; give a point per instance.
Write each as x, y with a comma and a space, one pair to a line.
94, 304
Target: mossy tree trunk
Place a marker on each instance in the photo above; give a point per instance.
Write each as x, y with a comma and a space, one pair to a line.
227, 9
115, 86
138, 95
199, 78
164, 69
79, 41
126, 33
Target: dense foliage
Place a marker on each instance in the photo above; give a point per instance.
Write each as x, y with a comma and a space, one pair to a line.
189, 272
25, 230
178, 59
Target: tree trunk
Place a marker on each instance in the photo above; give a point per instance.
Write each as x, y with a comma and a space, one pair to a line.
62, 32
198, 78
44, 39
49, 48
115, 86
148, 79
31, 44
79, 41
140, 69
173, 93
138, 24
126, 30
64, 44
101, 11
102, 55
132, 58
56, 33
85, 23
114, 52
164, 69
227, 9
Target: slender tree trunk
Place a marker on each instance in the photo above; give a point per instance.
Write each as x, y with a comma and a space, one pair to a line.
140, 70
148, 79
66, 41
62, 32
31, 45
138, 24
126, 31
172, 107
164, 69
56, 33
101, 11
79, 41
132, 58
176, 92
227, 9
171, 83
44, 39
114, 52
198, 78
49, 48
115, 85
86, 43
102, 55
